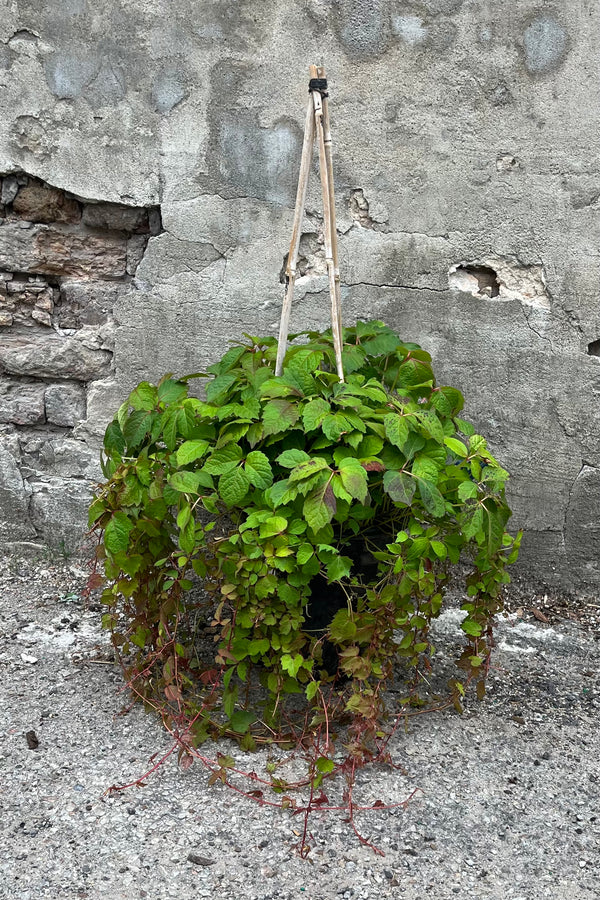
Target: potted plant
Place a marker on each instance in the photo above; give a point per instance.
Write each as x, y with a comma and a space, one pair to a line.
324, 518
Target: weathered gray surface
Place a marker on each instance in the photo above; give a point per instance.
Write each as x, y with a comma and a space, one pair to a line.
506, 803
462, 138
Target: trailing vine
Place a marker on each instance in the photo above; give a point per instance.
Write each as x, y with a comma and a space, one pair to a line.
322, 520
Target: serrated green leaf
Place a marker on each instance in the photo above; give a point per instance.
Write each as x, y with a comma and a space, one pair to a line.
339, 568
473, 523
241, 720
314, 413
258, 469
440, 549
185, 482
144, 396
470, 627
354, 478
278, 415
400, 486
216, 390
291, 458
424, 467
171, 391
316, 511
432, 499
223, 460
233, 486
456, 446
304, 553
432, 425
116, 534
114, 440
273, 525
308, 468
190, 451
325, 765
464, 427
467, 490
136, 427
335, 425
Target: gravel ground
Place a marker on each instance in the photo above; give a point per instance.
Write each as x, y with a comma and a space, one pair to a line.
507, 806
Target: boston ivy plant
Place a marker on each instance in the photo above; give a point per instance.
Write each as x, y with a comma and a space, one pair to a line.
263, 490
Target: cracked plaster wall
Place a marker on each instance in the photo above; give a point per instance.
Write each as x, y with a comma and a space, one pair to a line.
463, 137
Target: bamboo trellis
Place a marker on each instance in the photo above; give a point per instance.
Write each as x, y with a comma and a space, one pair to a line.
316, 125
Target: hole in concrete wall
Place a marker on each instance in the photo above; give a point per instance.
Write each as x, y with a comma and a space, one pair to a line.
476, 280
594, 348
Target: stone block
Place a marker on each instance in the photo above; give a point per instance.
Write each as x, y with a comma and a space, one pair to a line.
38, 202
59, 511
21, 404
104, 397
45, 454
58, 251
65, 404
10, 187
86, 302
52, 357
14, 491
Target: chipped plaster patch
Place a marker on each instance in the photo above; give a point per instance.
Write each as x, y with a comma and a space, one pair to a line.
513, 281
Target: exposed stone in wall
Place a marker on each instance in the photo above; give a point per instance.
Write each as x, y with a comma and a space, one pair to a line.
64, 263
502, 279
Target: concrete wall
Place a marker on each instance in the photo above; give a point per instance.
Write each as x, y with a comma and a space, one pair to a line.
468, 186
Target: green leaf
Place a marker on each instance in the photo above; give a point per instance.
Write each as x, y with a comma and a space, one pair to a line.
308, 468
291, 664
342, 627
432, 425
114, 440
470, 627
314, 413
456, 446
278, 415
316, 511
116, 535
399, 486
339, 568
467, 490
291, 458
274, 525
473, 524
477, 443
170, 391
185, 482
440, 549
136, 427
425, 467
432, 499
241, 720
233, 486
304, 553
447, 400
223, 460
464, 427
216, 390
190, 451
258, 470
354, 478
325, 765
145, 396
335, 425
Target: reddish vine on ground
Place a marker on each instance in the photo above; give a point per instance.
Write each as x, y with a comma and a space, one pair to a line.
322, 519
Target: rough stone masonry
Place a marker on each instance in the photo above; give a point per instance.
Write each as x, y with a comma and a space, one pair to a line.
149, 156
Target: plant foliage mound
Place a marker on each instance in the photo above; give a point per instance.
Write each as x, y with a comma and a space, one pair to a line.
270, 491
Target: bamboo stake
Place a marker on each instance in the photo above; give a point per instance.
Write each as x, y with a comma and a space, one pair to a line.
317, 123
290, 271
336, 320
327, 220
